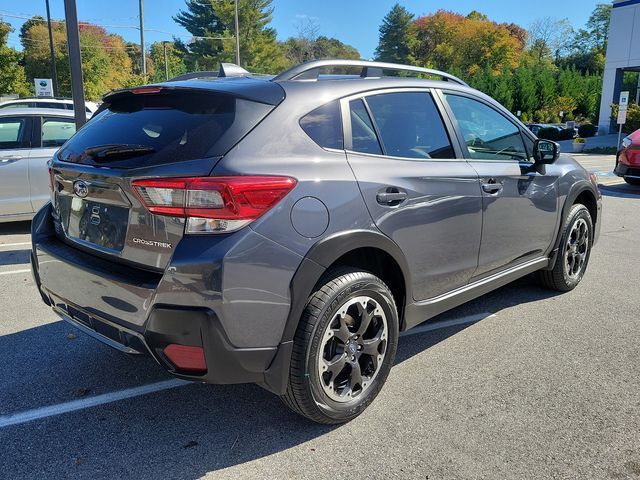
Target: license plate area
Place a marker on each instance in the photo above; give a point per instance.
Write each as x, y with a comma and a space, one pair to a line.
94, 222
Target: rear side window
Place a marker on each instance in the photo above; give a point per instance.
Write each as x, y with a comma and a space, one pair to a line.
12, 133
324, 126
56, 131
410, 125
363, 135
151, 129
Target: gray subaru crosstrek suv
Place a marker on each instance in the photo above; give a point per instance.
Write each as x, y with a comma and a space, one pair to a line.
283, 231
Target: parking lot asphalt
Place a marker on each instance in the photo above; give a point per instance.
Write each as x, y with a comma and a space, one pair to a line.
521, 383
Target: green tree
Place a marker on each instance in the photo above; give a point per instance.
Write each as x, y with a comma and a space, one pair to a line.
525, 93
395, 39
12, 76
259, 50
175, 61
594, 37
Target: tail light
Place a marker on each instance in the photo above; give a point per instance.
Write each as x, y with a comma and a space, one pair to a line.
51, 179
213, 204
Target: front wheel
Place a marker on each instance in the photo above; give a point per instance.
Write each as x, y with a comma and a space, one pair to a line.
344, 347
574, 253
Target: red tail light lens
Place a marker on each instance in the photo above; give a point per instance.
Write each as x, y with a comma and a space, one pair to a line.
51, 180
213, 204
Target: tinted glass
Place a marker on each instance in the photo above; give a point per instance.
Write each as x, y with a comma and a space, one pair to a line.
488, 134
12, 132
324, 126
363, 135
56, 131
410, 125
177, 126
16, 105
57, 105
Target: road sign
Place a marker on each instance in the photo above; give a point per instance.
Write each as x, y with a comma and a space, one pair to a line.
622, 116
624, 100
44, 87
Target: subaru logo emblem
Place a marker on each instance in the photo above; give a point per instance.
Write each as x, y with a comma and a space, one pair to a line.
81, 189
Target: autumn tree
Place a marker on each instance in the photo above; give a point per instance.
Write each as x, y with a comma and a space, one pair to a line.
105, 62
395, 36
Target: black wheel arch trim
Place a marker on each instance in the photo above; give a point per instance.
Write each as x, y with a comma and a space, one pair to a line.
320, 257
576, 190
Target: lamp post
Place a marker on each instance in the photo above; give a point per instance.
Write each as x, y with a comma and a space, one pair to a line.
237, 33
166, 63
54, 74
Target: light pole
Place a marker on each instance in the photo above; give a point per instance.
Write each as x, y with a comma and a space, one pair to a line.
144, 63
166, 64
237, 33
75, 62
54, 74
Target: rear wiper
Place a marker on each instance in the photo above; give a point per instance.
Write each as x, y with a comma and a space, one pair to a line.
122, 150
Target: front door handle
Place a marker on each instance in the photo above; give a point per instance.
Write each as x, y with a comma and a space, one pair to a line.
391, 196
492, 186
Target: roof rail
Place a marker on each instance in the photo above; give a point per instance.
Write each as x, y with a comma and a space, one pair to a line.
226, 70
311, 70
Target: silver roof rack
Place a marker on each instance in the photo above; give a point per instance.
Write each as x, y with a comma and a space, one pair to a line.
311, 70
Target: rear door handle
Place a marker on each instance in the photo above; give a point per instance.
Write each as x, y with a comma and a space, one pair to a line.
391, 196
492, 186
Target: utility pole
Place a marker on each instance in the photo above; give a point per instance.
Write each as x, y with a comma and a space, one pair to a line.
144, 62
237, 33
166, 64
75, 62
54, 74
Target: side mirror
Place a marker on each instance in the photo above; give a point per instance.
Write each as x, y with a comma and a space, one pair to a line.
545, 152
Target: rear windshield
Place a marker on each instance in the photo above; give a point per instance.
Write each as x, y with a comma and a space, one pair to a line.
167, 127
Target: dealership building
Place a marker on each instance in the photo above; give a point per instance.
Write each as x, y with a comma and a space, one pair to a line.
623, 55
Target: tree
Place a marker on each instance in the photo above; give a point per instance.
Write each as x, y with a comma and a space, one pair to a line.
394, 44
175, 61
105, 62
12, 76
525, 93
549, 38
449, 41
214, 20
594, 37
309, 46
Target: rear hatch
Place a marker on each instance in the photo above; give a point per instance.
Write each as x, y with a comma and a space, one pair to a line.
173, 130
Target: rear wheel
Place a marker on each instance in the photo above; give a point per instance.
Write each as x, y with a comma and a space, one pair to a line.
344, 347
575, 249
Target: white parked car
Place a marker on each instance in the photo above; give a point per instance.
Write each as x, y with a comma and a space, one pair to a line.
46, 102
29, 137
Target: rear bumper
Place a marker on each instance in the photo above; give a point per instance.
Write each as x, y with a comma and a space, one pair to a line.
623, 170
127, 308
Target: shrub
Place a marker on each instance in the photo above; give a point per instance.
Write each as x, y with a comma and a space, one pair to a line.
548, 133
633, 117
566, 134
587, 130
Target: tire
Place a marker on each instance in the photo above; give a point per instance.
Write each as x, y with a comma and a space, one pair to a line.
632, 181
575, 250
331, 348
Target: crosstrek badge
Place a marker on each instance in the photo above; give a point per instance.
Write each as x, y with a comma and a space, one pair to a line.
151, 243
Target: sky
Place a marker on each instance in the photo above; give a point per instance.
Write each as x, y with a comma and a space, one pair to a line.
355, 22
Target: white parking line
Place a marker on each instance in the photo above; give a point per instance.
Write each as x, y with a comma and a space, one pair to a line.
11, 272
52, 410
20, 244
428, 327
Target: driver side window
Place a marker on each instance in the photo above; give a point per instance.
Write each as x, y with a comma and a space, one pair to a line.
487, 134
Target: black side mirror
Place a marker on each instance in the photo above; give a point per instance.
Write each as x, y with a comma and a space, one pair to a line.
545, 152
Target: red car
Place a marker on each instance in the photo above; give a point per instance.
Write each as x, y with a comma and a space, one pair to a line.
628, 160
